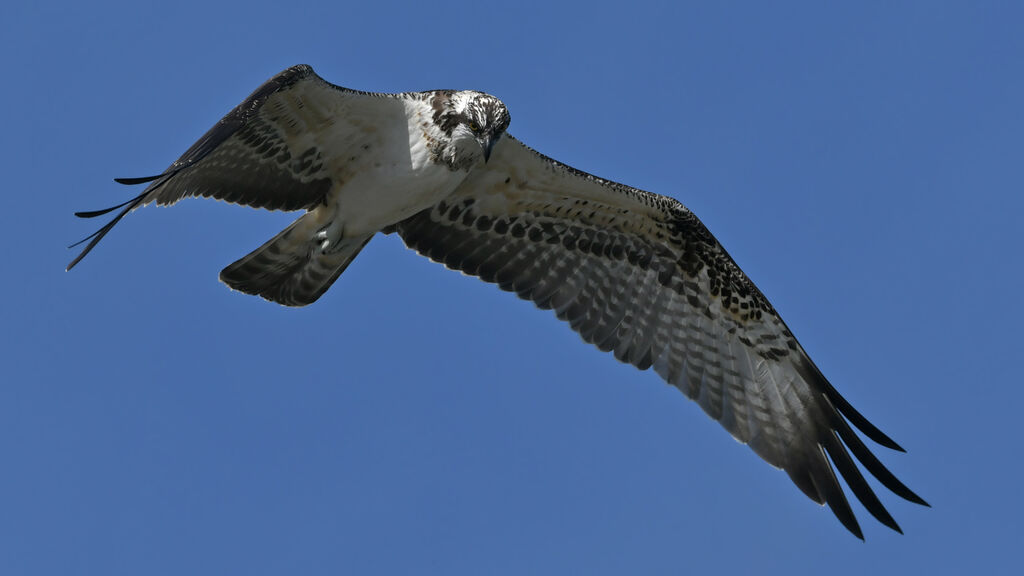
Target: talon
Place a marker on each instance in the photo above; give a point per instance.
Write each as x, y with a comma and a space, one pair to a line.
322, 238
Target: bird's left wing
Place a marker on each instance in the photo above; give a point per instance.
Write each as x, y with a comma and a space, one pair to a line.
639, 275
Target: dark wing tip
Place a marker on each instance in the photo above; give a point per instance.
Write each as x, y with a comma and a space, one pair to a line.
831, 492
95, 213
845, 449
872, 463
833, 421
98, 235
855, 480
133, 201
134, 181
812, 374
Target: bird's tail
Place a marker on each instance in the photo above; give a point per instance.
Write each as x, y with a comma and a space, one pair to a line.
292, 268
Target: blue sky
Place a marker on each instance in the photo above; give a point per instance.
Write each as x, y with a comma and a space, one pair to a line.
862, 164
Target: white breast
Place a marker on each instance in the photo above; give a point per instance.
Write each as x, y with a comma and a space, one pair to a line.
390, 174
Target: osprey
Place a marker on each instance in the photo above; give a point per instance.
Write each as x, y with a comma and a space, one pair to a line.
634, 273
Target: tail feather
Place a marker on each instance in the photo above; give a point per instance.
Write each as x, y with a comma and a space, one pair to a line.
291, 268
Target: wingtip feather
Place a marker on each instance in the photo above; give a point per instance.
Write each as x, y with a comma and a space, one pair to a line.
98, 235
140, 180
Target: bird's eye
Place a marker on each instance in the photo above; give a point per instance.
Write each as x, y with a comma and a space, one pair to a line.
474, 126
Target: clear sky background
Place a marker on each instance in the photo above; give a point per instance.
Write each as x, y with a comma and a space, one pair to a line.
862, 164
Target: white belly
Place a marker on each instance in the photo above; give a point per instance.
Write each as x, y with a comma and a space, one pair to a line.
390, 179
377, 198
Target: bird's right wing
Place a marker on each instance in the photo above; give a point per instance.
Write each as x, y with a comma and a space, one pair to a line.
280, 149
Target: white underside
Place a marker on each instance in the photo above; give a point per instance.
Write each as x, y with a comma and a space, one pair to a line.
383, 177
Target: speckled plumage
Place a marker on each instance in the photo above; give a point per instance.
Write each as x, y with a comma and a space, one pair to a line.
634, 273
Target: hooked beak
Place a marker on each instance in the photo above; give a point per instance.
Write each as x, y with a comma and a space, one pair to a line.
487, 144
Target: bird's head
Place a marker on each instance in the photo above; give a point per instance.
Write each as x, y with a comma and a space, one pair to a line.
475, 121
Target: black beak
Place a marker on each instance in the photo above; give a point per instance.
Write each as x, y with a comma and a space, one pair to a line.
488, 144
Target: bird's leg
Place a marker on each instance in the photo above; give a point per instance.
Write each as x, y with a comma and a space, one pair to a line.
329, 236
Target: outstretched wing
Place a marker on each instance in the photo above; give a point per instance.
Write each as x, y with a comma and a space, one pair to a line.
280, 149
637, 274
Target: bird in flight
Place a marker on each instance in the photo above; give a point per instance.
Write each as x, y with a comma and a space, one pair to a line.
634, 273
